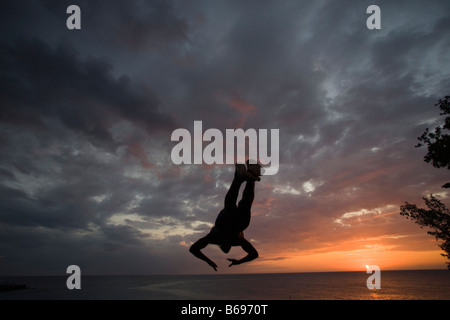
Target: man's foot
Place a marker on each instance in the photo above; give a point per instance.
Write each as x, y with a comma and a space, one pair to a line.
243, 173
254, 168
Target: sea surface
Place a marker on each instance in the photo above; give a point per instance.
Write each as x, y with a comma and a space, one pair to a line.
395, 285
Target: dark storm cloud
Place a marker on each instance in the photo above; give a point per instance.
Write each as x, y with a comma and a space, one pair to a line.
40, 82
259, 59
71, 133
134, 24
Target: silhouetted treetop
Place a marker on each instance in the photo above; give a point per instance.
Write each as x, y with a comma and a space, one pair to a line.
437, 218
438, 141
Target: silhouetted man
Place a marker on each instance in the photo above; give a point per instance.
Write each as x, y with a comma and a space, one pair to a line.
231, 222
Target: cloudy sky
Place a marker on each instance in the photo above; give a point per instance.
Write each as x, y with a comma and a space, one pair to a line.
86, 176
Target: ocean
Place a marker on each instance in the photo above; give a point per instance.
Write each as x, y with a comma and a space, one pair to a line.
395, 285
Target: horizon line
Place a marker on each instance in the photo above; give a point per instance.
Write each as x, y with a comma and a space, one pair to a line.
215, 274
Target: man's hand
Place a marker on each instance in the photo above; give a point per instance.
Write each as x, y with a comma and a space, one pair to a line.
213, 265
234, 262
252, 253
195, 249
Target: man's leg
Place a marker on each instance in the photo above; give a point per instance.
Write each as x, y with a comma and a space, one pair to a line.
233, 191
247, 196
231, 217
245, 205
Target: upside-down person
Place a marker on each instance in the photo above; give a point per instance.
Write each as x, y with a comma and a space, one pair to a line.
231, 222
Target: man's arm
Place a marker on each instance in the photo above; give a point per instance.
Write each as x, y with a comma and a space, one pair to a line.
247, 247
195, 249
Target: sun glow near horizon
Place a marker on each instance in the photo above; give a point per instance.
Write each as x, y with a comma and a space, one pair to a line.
352, 261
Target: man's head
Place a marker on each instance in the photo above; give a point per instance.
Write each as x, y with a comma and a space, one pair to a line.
225, 247
225, 240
